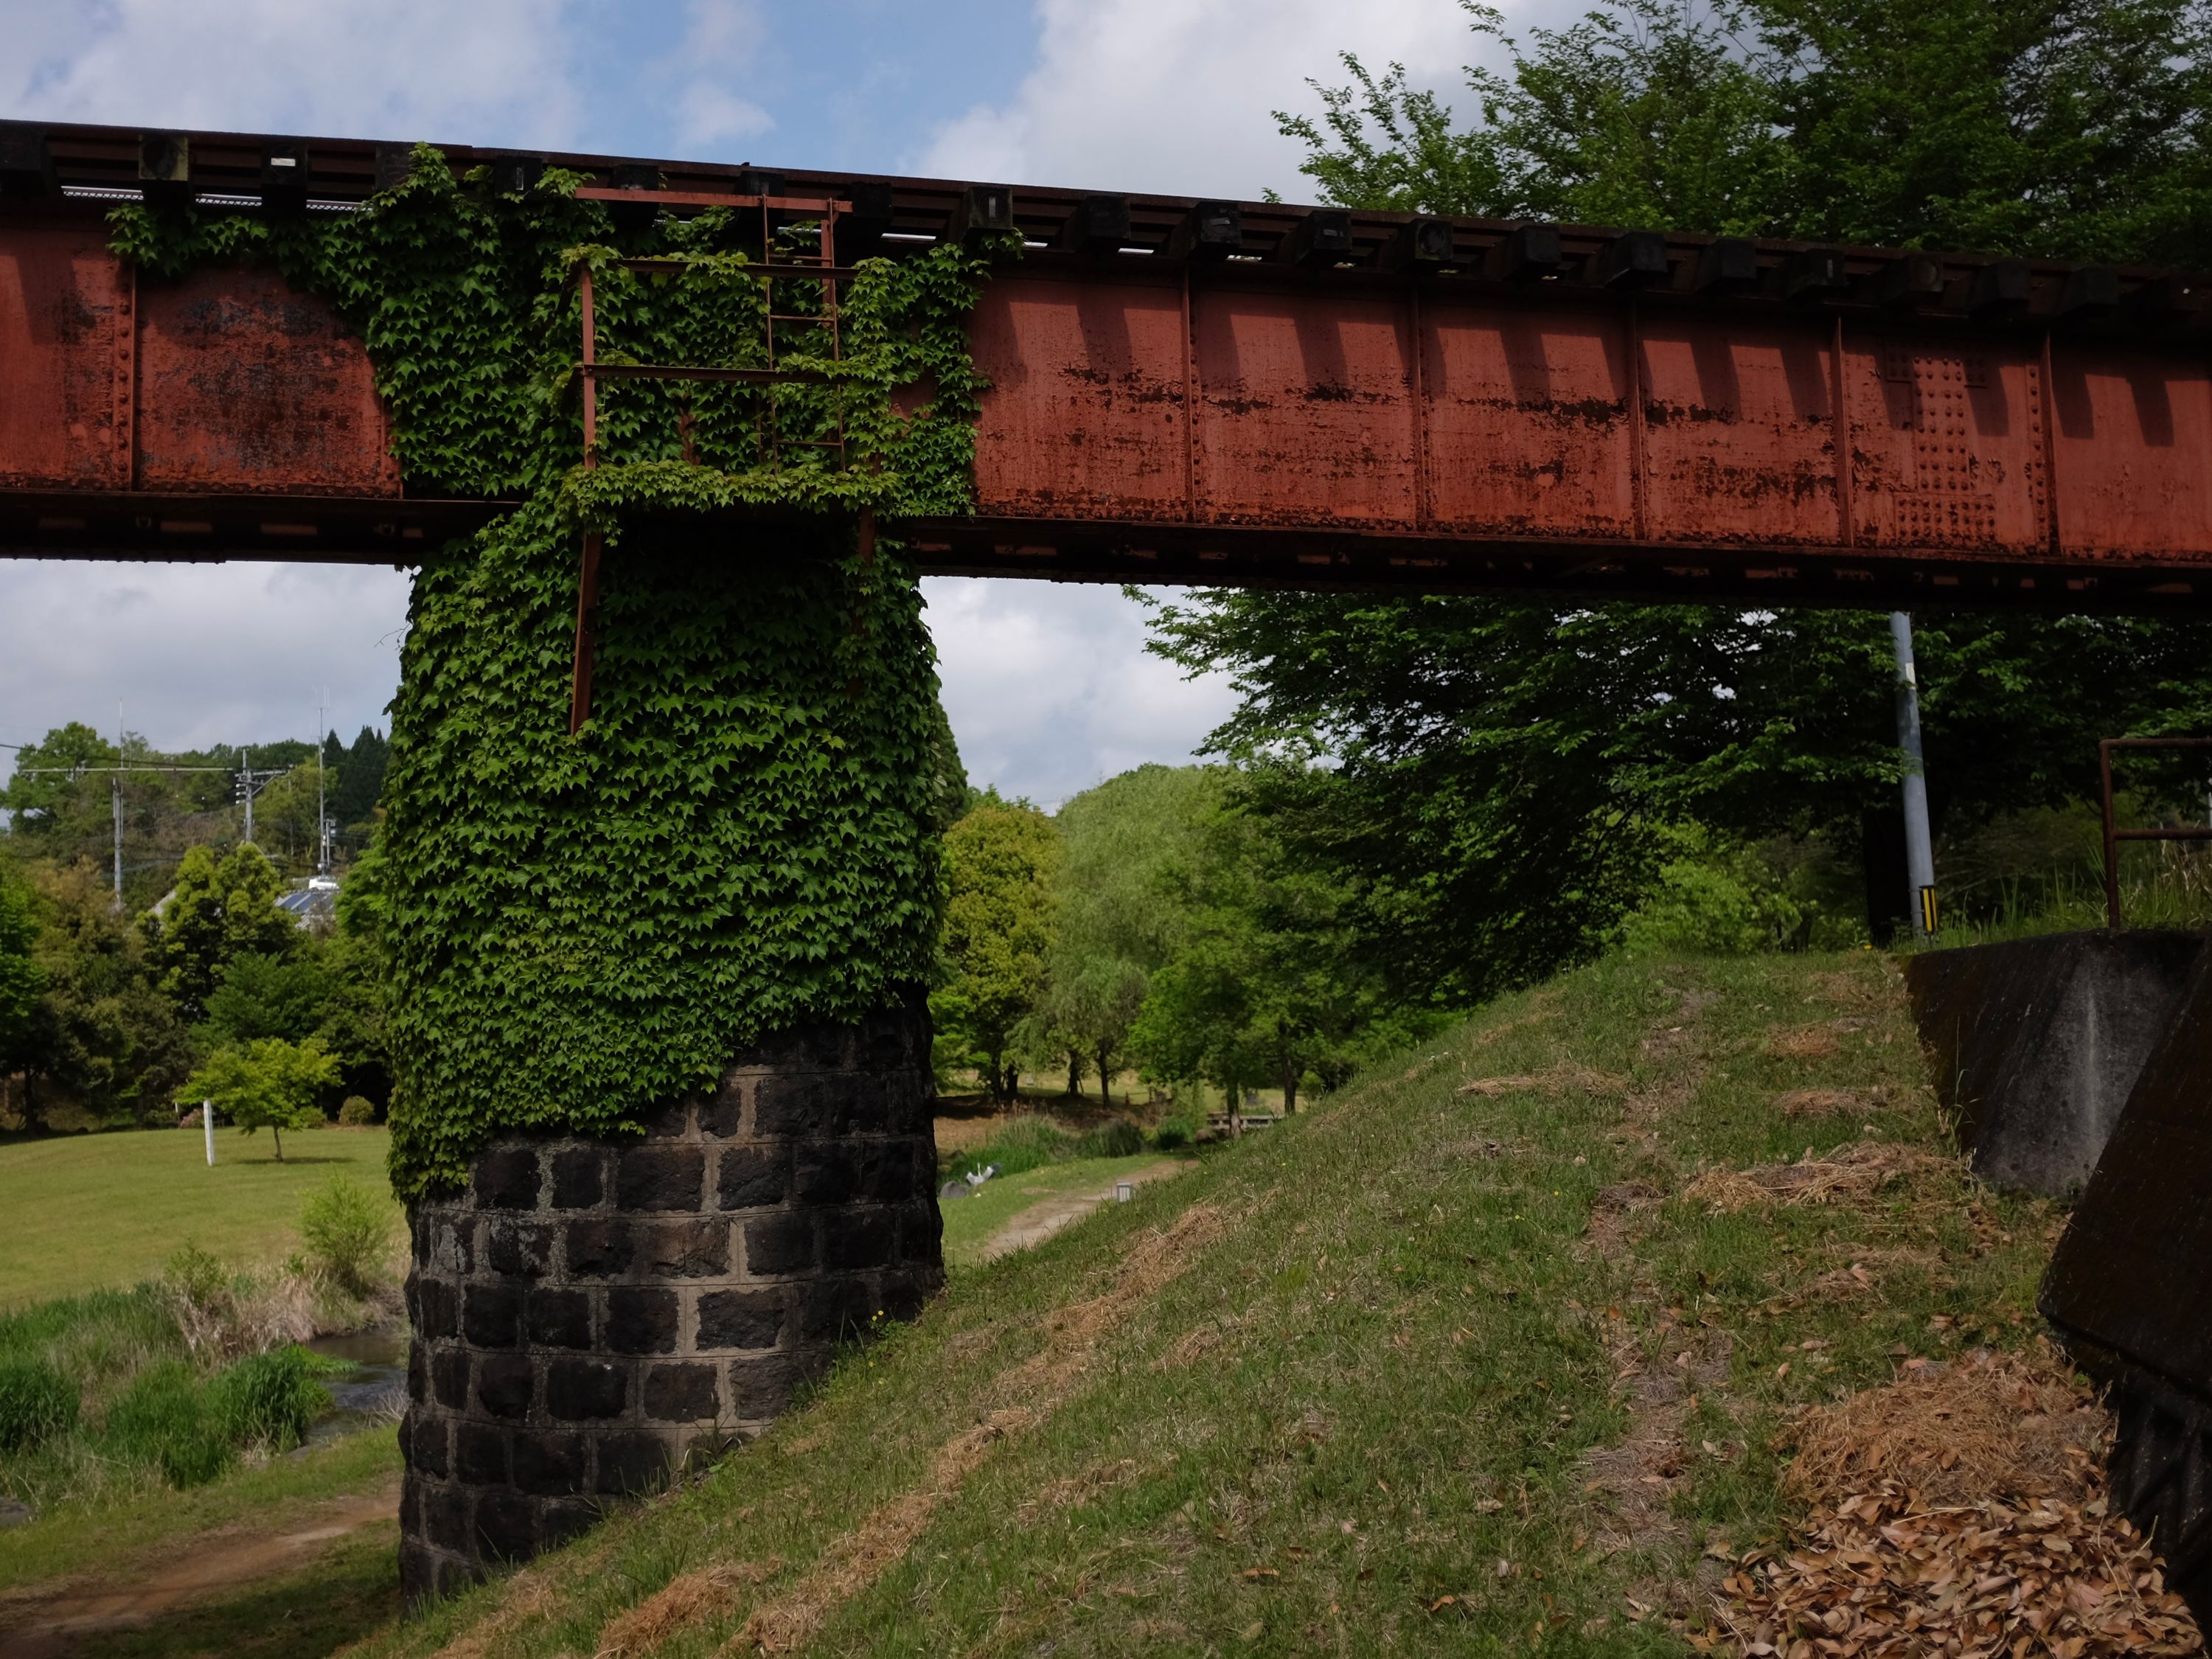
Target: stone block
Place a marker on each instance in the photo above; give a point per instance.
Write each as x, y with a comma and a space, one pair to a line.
580, 1178
761, 1385
429, 1449
795, 1105
739, 1319
506, 1178
550, 1464
722, 1113
507, 1526
449, 1377
669, 1120
600, 1249
563, 1519
491, 1315
631, 1465
660, 1176
445, 1516
903, 1291
504, 1382
921, 1233
558, 1319
585, 1390
480, 1454
780, 1243
451, 1241
698, 1249
836, 1311
751, 1176
437, 1309
824, 1173
642, 1320
857, 1239
864, 1106
519, 1250
682, 1394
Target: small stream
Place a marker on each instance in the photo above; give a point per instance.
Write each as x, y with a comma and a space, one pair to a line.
373, 1391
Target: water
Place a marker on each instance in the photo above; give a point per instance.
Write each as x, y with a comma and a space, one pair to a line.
373, 1391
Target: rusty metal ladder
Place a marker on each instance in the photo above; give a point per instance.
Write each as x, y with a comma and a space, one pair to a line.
823, 269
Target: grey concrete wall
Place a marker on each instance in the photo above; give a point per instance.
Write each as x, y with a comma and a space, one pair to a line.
588, 1313
2036, 1043
2129, 1290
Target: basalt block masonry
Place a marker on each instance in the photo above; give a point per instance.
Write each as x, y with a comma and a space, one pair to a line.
589, 1313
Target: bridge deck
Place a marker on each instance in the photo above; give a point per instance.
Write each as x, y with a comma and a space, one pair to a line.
2013, 434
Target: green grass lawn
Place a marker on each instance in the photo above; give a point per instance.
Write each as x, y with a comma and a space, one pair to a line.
86, 1212
970, 1223
1430, 1370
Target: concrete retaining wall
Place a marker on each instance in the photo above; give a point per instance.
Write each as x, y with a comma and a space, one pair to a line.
2037, 1042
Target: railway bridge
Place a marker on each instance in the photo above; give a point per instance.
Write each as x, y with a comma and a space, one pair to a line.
1174, 391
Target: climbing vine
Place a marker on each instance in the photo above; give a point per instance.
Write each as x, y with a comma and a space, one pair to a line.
739, 839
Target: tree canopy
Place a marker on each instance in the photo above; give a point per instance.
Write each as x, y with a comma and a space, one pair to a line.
1000, 864
1490, 779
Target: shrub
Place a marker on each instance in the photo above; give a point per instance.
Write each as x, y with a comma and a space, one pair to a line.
1174, 1132
349, 1232
267, 1399
163, 1420
36, 1402
1117, 1138
357, 1113
198, 1277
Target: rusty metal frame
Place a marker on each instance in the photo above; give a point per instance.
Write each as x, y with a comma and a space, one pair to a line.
768, 272
2113, 836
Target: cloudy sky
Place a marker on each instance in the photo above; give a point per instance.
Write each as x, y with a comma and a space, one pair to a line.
1048, 686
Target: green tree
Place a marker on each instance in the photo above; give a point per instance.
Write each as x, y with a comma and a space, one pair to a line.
265, 1083
20, 977
1492, 780
1263, 986
1116, 919
1000, 861
103, 1038
215, 912
261, 995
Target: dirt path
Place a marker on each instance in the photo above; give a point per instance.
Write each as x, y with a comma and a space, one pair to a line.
1048, 1216
44, 1624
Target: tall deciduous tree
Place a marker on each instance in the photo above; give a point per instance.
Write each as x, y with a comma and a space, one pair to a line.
103, 1038
215, 912
1000, 861
20, 977
1116, 920
1490, 763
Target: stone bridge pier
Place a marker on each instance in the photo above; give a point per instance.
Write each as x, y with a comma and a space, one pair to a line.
590, 1313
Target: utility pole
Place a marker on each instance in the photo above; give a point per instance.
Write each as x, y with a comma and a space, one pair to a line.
322, 810
1919, 851
115, 799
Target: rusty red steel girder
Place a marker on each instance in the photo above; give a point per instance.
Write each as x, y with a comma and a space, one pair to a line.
1201, 392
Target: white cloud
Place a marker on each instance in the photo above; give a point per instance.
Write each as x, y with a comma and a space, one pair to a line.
1049, 690
490, 71
722, 41
197, 654
708, 115
1176, 95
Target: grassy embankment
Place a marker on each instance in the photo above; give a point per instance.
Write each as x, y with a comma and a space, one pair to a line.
87, 1212
1432, 1369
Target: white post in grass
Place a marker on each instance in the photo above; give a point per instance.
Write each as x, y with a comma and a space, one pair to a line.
207, 1129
